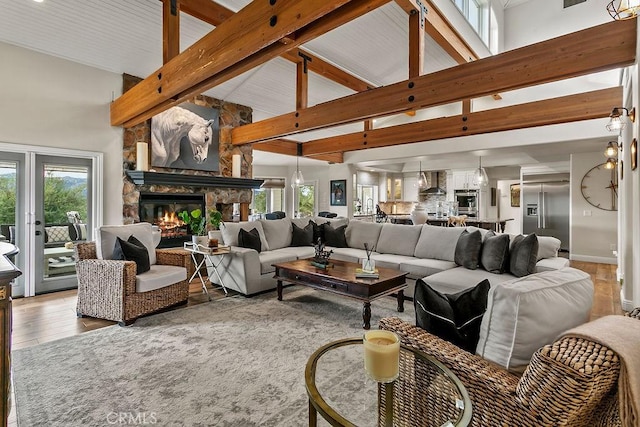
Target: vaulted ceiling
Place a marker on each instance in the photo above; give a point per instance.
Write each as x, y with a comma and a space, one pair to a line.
124, 36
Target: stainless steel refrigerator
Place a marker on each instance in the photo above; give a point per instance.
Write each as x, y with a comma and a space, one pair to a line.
545, 210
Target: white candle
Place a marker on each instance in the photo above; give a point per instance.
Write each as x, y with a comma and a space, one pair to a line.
382, 355
236, 166
142, 156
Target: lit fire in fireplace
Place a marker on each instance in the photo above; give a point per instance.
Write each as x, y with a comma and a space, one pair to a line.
170, 225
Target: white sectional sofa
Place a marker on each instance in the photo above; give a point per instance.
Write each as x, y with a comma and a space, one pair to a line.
424, 251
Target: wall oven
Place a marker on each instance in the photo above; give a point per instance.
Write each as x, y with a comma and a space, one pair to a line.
467, 202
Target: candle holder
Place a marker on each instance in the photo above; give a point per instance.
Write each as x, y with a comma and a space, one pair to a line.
382, 355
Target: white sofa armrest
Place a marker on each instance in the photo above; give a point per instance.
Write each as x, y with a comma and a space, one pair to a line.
240, 270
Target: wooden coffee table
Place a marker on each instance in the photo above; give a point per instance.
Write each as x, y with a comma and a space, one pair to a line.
341, 280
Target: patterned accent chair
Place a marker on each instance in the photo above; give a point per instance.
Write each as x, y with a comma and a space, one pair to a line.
571, 382
110, 289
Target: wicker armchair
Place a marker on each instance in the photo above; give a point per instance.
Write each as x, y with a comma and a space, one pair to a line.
107, 288
571, 382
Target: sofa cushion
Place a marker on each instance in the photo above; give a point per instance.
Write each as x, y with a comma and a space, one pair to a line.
249, 239
160, 276
106, 239
453, 317
300, 252
527, 313
421, 267
550, 264
335, 236
399, 239
230, 232
267, 259
277, 232
459, 278
438, 242
523, 255
348, 254
360, 232
302, 236
548, 247
468, 248
389, 260
495, 253
132, 250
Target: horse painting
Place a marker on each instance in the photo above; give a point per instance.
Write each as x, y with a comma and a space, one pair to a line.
169, 127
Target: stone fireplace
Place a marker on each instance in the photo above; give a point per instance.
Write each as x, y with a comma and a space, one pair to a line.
216, 189
162, 210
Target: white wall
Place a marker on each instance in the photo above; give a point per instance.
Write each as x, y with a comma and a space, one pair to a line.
52, 102
505, 210
591, 236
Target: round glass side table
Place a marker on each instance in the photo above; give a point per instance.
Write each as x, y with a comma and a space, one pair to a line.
426, 393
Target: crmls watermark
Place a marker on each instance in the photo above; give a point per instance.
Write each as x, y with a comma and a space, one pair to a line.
132, 418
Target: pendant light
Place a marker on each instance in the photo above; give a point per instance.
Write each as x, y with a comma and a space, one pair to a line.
480, 176
297, 179
422, 179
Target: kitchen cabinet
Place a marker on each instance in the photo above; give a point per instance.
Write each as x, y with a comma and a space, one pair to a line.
464, 180
394, 187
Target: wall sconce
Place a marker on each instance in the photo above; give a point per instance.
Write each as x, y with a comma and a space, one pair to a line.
616, 121
612, 150
610, 163
623, 9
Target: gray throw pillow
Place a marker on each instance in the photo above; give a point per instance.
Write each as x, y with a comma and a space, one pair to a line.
495, 253
524, 255
468, 249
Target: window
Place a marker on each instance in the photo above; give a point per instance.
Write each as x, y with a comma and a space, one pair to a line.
268, 198
477, 13
305, 200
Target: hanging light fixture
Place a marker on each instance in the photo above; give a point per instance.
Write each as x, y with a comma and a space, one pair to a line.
480, 176
610, 163
612, 150
616, 120
422, 179
623, 9
297, 179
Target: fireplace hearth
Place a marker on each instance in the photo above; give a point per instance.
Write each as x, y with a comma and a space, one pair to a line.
162, 209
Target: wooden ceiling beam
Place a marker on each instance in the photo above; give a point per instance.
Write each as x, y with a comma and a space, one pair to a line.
170, 29
302, 85
255, 27
346, 13
290, 148
416, 45
584, 106
441, 30
595, 49
214, 14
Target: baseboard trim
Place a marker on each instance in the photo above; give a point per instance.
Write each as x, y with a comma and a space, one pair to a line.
598, 259
627, 305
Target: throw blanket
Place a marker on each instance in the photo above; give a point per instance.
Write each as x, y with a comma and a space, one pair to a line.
622, 335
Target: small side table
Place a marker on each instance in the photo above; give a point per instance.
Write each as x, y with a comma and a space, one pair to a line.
215, 256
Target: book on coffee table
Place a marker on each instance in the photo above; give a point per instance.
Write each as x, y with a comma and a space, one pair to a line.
364, 274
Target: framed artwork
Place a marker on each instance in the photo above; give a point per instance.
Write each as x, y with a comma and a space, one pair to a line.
515, 195
634, 154
186, 137
339, 192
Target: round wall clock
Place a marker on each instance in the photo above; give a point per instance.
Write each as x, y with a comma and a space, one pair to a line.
599, 187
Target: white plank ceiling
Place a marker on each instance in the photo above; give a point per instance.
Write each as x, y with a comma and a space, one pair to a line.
125, 36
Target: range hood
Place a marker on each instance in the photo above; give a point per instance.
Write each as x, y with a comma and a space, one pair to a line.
434, 189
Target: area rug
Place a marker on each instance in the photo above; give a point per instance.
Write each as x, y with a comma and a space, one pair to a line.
232, 362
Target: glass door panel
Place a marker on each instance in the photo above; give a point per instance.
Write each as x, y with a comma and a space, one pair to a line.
62, 218
305, 198
11, 209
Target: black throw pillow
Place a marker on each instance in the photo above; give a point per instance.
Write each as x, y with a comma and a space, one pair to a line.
250, 239
317, 232
302, 236
132, 250
495, 253
524, 255
468, 249
334, 236
455, 318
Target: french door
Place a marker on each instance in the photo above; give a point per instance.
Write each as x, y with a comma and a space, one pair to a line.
51, 209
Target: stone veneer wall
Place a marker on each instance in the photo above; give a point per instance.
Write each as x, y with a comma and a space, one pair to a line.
231, 115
